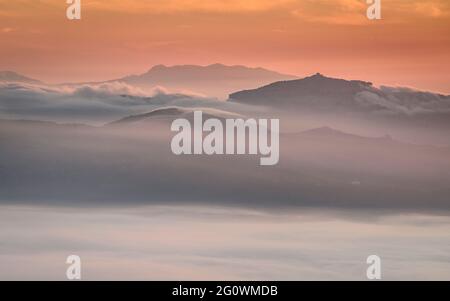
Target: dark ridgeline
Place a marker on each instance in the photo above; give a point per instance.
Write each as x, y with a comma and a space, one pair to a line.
321, 94
10, 76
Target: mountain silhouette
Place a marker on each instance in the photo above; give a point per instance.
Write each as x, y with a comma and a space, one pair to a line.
10, 76
333, 135
215, 80
313, 91
169, 114
324, 94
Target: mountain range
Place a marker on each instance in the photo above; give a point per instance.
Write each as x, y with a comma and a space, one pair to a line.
10, 76
318, 93
215, 80
310, 95
169, 114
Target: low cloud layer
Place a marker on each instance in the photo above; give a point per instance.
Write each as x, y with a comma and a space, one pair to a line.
404, 101
214, 243
91, 103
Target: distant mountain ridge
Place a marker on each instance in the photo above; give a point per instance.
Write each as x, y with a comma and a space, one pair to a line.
321, 93
333, 134
216, 80
209, 72
10, 76
171, 113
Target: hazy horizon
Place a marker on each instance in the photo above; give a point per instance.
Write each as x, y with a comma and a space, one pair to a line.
408, 47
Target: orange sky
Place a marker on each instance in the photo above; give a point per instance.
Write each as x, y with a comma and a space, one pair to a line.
410, 46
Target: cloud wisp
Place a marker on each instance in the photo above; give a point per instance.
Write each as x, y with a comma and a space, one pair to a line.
91, 103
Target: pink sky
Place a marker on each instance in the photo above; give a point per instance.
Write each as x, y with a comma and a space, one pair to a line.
410, 46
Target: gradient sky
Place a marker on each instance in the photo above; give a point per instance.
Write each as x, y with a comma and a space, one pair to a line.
409, 47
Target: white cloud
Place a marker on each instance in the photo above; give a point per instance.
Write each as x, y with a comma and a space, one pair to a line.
92, 103
401, 100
